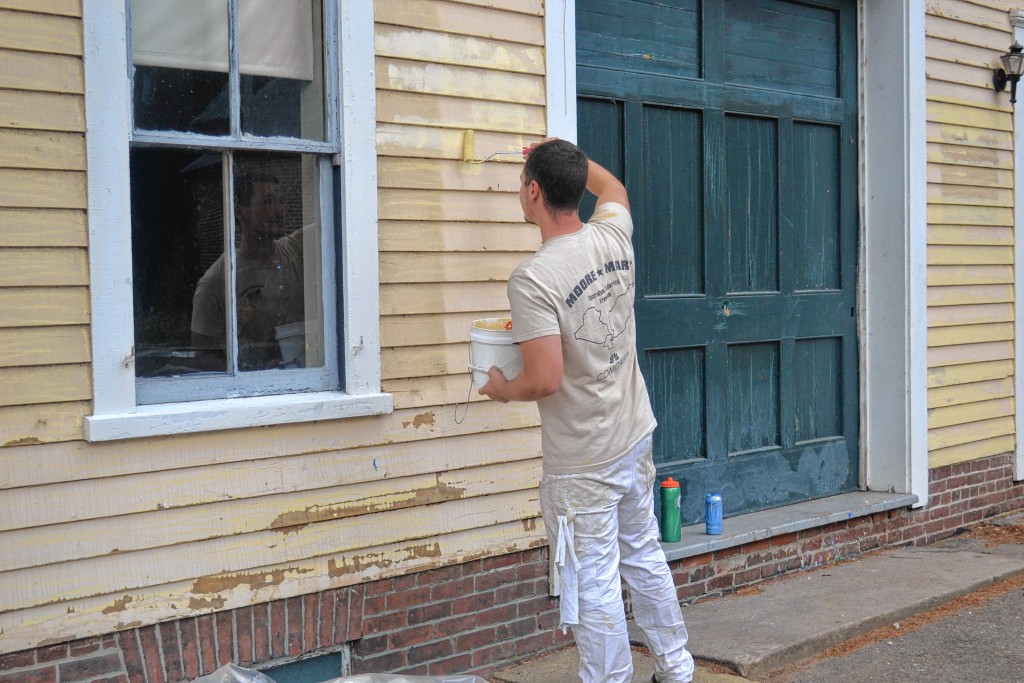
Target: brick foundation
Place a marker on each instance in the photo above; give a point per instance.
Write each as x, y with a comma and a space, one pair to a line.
476, 616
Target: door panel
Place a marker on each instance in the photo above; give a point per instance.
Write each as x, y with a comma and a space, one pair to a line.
733, 124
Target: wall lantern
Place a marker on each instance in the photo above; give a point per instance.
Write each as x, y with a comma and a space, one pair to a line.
1013, 65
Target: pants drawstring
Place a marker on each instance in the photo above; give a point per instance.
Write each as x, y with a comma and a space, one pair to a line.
568, 565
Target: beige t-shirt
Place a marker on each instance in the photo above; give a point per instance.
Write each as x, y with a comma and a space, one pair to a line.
581, 287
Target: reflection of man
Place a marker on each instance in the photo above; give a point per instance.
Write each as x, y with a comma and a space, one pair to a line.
580, 366
268, 279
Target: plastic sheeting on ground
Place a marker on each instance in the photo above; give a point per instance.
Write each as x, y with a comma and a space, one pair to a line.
231, 673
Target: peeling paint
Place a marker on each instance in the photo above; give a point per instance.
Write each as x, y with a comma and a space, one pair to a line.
530, 524
423, 419
206, 603
208, 585
378, 561
118, 605
24, 441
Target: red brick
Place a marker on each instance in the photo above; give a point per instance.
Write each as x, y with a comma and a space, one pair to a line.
355, 615
325, 627
87, 668
188, 630
296, 625
225, 638
451, 589
451, 665
496, 653
473, 603
311, 614
85, 646
404, 583
391, 661
430, 651
121, 678
244, 636
420, 615
47, 674
171, 647
17, 660
207, 643
536, 643
410, 636
128, 642
536, 605
476, 639
52, 653
152, 657
384, 623
406, 599
370, 645
278, 629
439, 575
517, 629
261, 632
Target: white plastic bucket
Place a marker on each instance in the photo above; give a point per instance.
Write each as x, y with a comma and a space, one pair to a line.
292, 340
490, 344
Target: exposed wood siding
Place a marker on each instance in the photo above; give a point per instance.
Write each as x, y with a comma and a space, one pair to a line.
97, 536
970, 233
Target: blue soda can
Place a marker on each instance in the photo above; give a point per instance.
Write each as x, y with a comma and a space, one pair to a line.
713, 513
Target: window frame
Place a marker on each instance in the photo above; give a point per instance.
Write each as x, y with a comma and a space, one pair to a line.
108, 113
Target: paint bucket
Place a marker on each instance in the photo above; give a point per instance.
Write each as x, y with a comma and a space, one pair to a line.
291, 339
490, 344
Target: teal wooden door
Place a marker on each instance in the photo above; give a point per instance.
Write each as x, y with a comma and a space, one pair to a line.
734, 125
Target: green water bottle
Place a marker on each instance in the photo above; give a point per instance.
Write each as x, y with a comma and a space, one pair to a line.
670, 529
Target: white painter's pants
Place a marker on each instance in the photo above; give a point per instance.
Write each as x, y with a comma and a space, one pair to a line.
601, 524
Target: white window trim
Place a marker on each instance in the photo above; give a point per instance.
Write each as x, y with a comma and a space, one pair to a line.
893, 309
1017, 22
108, 124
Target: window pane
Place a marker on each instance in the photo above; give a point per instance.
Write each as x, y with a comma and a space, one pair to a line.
278, 280
180, 57
281, 62
177, 235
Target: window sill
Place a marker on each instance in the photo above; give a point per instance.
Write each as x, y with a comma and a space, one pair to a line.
236, 413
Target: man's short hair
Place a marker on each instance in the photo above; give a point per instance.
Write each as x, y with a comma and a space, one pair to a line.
560, 169
245, 186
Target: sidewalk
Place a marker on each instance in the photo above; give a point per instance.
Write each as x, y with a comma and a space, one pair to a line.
785, 620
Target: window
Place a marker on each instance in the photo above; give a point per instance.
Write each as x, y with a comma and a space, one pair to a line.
225, 156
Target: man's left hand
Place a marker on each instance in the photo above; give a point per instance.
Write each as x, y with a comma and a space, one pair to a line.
492, 389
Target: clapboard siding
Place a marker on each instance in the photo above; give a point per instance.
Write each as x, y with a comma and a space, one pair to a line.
970, 233
100, 535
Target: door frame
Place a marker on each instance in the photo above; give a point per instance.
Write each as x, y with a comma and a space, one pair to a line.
893, 228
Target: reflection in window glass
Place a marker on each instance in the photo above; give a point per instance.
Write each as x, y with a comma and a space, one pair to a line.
280, 48
177, 235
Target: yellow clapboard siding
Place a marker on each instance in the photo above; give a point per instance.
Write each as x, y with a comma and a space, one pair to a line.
449, 205
963, 155
457, 81
449, 393
959, 53
978, 95
355, 470
452, 112
968, 275
46, 384
969, 294
102, 614
970, 353
970, 451
954, 214
42, 72
21, 346
446, 48
970, 176
959, 115
42, 111
42, 228
114, 574
441, 298
76, 540
440, 174
38, 306
42, 189
421, 330
40, 33
939, 255
967, 34
427, 427
446, 143
969, 334
970, 373
454, 236
967, 14
954, 134
941, 316
451, 17
43, 267
970, 412
424, 361
42, 150
970, 393
961, 76
397, 267
70, 8
969, 195
970, 235
524, 6
37, 424
956, 435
